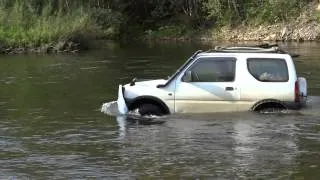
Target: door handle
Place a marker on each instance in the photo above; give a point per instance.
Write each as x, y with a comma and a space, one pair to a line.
229, 88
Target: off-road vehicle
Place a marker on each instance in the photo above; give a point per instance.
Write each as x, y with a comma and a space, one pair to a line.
221, 80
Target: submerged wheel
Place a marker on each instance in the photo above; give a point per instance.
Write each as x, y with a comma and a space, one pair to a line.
269, 106
150, 109
272, 110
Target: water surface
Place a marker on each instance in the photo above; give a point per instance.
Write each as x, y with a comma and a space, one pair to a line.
51, 126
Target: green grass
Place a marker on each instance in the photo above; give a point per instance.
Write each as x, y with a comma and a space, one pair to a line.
20, 27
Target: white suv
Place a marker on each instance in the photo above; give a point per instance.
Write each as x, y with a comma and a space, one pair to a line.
221, 80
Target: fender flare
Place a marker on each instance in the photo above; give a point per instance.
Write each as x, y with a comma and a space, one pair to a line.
268, 101
148, 99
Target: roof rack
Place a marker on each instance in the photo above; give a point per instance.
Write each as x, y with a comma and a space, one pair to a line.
262, 48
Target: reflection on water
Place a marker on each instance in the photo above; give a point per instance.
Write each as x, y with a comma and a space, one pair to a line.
253, 143
51, 126
244, 137
121, 120
237, 145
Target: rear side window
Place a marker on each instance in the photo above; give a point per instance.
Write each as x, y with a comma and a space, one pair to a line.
214, 69
268, 69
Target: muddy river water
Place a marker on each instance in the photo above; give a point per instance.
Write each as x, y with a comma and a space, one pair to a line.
51, 126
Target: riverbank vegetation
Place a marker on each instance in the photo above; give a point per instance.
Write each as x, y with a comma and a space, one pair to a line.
70, 25
54, 25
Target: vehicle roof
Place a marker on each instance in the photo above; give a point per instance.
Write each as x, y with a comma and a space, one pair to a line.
264, 50
245, 55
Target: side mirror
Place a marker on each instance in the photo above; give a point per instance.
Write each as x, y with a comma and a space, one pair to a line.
187, 76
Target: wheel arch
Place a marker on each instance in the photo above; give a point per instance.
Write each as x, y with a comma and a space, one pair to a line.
268, 103
149, 99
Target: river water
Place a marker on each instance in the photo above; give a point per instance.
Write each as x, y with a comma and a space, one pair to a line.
51, 126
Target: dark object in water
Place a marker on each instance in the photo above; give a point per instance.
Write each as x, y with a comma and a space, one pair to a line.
142, 120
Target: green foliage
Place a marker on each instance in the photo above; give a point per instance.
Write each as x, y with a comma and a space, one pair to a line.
168, 31
233, 12
28, 29
108, 21
36, 22
273, 11
317, 16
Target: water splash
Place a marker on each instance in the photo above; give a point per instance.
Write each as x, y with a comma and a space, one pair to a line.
110, 108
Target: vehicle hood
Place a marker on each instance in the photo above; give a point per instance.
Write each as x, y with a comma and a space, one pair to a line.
151, 83
143, 88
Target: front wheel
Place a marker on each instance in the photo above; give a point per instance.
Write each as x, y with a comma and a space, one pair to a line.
150, 109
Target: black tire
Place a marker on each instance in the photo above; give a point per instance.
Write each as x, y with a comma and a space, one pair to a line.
150, 109
270, 106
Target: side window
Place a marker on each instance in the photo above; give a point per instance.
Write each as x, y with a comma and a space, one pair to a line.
268, 69
213, 70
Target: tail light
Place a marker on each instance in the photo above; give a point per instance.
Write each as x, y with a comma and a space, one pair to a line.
296, 92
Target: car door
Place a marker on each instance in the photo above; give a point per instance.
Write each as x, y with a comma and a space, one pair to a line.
208, 85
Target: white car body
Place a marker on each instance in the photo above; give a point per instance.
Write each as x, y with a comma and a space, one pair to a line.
242, 93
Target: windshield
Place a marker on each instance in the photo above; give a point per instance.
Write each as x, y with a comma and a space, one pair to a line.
181, 68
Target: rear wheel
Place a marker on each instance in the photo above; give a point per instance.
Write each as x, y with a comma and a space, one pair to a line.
272, 110
269, 106
150, 109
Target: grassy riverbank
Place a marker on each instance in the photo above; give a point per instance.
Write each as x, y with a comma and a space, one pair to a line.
46, 27
39, 32
70, 25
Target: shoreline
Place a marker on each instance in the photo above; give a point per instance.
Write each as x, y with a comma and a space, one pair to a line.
262, 34
303, 29
67, 47
294, 32
74, 48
